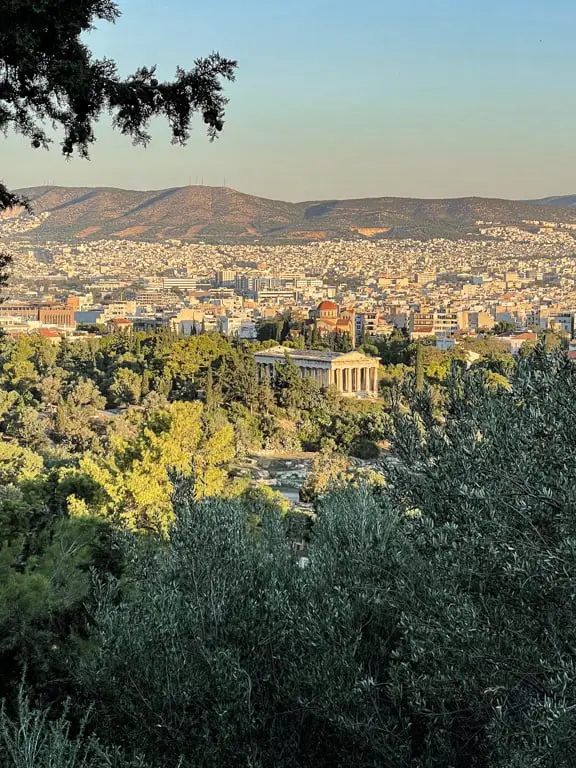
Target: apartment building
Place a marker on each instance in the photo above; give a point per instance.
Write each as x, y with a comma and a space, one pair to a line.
435, 322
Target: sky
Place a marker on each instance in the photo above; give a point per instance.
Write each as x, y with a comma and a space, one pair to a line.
341, 99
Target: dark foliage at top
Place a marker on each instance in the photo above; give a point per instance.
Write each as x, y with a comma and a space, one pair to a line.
48, 75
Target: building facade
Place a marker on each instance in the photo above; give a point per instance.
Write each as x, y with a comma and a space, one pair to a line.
352, 373
59, 315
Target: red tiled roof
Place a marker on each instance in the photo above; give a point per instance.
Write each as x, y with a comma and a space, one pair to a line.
49, 333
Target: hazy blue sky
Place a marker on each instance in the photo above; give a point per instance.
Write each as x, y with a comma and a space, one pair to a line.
336, 98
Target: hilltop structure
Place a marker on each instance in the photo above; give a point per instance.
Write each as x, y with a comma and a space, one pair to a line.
352, 373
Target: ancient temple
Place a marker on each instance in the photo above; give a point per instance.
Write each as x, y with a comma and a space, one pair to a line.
352, 373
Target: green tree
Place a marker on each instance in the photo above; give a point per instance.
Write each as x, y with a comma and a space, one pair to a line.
268, 330
500, 537
134, 473
503, 328
44, 604
419, 367
126, 387
50, 390
75, 423
238, 377
86, 394
18, 463
27, 426
287, 383
6, 202
329, 471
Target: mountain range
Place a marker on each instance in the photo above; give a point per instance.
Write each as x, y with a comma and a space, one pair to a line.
225, 215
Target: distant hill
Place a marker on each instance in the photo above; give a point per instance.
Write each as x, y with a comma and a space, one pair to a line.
219, 213
563, 201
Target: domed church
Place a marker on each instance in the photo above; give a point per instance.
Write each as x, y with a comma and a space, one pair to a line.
329, 319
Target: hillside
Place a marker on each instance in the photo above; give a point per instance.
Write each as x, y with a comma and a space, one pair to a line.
210, 213
561, 201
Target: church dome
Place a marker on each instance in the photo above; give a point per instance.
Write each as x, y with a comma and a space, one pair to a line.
327, 309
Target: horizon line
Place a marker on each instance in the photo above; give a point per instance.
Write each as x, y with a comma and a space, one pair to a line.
297, 202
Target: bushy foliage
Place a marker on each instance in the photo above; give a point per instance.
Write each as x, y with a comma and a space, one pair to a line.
134, 474
429, 624
31, 739
493, 498
432, 626
237, 655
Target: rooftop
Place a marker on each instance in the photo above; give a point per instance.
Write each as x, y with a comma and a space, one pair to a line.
280, 352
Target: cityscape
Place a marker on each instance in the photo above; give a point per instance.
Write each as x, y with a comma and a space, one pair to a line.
521, 276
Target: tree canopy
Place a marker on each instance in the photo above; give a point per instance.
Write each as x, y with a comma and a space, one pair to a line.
430, 625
